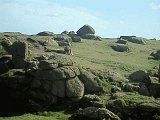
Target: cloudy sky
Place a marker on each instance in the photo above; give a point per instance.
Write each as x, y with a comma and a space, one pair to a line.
110, 18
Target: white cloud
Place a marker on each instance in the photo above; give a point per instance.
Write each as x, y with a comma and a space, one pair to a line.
155, 6
36, 15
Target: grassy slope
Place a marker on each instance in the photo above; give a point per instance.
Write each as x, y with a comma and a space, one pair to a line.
98, 55
41, 116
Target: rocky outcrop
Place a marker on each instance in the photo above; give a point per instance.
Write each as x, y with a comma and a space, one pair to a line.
134, 106
86, 29
134, 39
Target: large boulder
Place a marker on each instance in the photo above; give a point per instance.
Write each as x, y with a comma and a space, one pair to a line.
156, 54
86, 29
120, 48
154, 90
94, 113
138, 40
134, 39
141, 77
91, 82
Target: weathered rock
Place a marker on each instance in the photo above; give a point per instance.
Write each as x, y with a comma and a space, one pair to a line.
134, 106
74, 88
120, 48
86, 29
76, 39
121, 41
89, 36
91, 101
45, 33
156, 54
134, 39
140, 77
94, 113
48, 64
144, 90
3, 68
6, 43
154, 90
61, 60
61, 73
138, 40
19, 53
90, 82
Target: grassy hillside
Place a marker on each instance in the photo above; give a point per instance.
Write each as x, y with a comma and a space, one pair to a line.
98, 55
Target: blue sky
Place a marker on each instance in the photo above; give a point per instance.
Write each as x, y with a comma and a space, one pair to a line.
110, 18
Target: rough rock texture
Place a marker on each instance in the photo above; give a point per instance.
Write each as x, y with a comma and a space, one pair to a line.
76, 39
6, 43
134, 106
120, 48
94, 113
90, 82
91, 36
154, 90
55, 78
121, 41
156, 54
91, 101
19, 54
86, 29
141, 77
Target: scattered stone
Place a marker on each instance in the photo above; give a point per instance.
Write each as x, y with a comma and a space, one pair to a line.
120, 48
91, 36
122, 41
141, 77
76, 39
156, 54
94, 113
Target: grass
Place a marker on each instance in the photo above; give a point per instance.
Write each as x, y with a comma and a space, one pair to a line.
98, 55
40, 116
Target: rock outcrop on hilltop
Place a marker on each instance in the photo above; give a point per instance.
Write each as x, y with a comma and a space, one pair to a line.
134, 39
86, 29
38, 84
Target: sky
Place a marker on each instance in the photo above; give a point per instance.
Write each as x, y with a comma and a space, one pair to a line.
109, 18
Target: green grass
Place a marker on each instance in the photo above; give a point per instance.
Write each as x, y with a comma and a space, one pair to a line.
98, 55
40, 116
